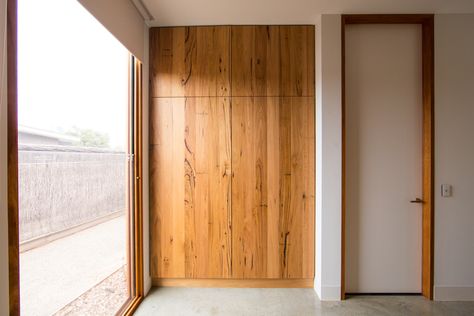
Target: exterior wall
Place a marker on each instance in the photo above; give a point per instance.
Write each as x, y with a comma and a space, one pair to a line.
24, 138
60, 189
27, 138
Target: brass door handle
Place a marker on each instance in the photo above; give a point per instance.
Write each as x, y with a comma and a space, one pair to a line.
417, 200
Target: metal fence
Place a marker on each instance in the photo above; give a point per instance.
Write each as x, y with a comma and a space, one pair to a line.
61, 187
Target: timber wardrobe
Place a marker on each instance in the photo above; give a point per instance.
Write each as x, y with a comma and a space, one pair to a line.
232, 168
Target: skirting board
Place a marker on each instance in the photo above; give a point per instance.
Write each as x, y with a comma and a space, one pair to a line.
448, 293
236, 283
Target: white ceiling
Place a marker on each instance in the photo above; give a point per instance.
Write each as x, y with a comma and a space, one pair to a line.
215, 12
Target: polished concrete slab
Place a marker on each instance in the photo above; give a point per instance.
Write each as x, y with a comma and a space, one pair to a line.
288, 302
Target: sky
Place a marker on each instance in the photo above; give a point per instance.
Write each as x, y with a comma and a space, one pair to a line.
71, 71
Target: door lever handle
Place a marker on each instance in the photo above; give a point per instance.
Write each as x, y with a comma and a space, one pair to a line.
417, 200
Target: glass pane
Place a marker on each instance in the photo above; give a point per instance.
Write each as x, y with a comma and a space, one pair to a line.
73, 167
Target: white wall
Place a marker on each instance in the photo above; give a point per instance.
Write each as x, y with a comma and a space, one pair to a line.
454, 156
212, 12
123, 20
328, 157
3, 163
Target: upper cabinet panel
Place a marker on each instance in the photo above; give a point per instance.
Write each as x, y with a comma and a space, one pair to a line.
255, 60
190, 61
297, 60
273, 61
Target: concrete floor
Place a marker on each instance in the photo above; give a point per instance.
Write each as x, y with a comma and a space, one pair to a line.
287, 302
53, 275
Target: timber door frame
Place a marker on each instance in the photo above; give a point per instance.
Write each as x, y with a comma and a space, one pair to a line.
135, 239
12, 160
427, 23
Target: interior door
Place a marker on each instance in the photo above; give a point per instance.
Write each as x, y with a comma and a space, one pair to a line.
383, 158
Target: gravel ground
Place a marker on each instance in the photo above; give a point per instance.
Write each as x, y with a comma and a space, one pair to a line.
105, 299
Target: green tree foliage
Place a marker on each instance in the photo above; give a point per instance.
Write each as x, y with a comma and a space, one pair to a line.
90, 138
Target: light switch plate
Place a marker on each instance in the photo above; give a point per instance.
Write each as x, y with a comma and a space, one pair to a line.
446, 190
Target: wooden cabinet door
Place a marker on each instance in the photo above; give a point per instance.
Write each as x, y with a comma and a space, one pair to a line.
232, 152
273, 187
297, 60
190, 178
272, 61
190, 61
255, 60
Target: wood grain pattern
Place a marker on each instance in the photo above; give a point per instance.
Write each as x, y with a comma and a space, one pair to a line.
12, 168
190, 61
386, 18
196, 136
136, 258
135, 231
273, 187
428, 158
343, 158
272, 61
297, 60
167, 187
236, 283
190, 187
249, 187
255, 60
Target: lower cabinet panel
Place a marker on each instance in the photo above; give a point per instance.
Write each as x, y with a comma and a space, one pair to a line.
232, 190
190, 177
273, 187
